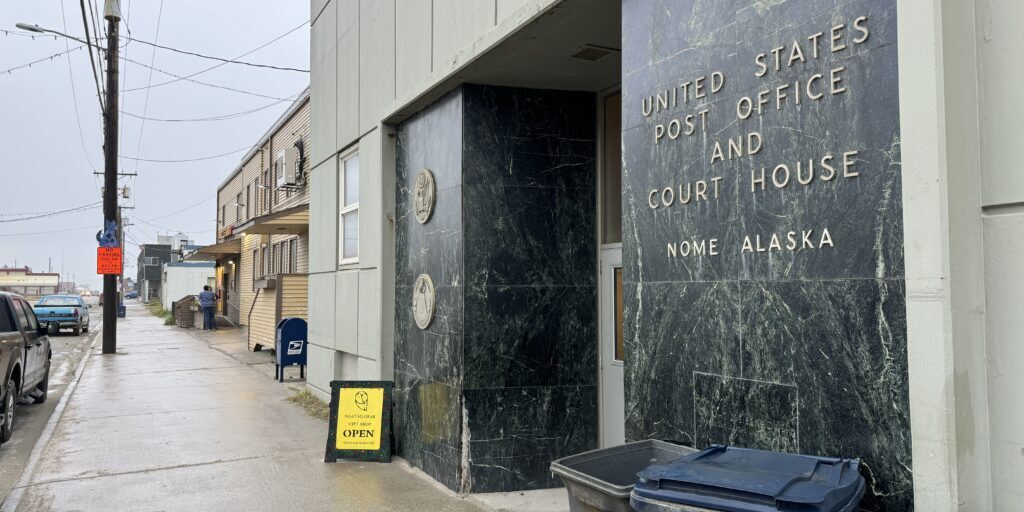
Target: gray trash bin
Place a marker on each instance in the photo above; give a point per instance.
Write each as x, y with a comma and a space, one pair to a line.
601, 480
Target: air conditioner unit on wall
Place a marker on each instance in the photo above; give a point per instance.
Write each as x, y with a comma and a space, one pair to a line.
285, 163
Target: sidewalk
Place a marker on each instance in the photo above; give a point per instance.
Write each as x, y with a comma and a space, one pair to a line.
173, 422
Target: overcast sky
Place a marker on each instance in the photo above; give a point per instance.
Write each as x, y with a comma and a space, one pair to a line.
45, 167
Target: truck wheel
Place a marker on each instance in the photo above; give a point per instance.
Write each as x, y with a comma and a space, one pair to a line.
86, 328
78, 331
7, 425
44, 384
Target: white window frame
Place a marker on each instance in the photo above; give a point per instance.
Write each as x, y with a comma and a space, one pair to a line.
345, 209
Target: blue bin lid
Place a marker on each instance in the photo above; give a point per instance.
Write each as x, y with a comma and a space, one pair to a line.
742, 480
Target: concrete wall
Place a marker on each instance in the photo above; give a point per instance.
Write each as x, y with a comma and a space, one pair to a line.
369, 58
964, 215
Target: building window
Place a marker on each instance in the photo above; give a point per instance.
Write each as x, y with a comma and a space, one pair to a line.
266, 190
255, 264
151, 260
238, 207
266, 260
611, 171
348, 199
278, 263
293, 256
256, 196
248, 202
223, 215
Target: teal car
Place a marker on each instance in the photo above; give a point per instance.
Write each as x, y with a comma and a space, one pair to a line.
63, 312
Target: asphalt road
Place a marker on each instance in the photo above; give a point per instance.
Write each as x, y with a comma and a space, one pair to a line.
30, 420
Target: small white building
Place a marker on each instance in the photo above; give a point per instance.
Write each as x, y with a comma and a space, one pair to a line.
183, 278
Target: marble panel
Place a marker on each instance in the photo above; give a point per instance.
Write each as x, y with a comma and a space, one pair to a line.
529, 137
428, 426
843, 344
743, 412
800, 349
517, 432
666, 343
530, 336
530, 236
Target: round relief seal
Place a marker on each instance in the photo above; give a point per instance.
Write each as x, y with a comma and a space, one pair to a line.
423, 196
423, 301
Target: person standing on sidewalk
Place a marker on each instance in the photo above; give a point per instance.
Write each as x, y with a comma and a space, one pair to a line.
207, 301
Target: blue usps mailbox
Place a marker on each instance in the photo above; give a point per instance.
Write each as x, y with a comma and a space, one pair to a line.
291, 346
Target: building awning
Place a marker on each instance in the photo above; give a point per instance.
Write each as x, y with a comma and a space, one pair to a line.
292, 221
215, 251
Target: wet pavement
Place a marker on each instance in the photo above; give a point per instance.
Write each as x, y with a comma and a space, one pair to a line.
30, 420
180, 420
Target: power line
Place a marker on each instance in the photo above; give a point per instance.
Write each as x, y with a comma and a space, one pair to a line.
51, 57
34, 233
224, 117
177, 230
74, 95
187, 79
221, 59
276, 39
95, 75
145, 106
187, 208
211, 157
53, 214
44, 213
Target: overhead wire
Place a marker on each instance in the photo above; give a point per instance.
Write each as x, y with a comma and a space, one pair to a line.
183, 160
264, 45
92, 62
185, 209
188, 79
34, 233
221, 59
54, 214
44, 59
145, 105
74, 95
47, 212
223, 117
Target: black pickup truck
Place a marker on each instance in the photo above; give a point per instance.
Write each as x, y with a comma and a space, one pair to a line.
24, 356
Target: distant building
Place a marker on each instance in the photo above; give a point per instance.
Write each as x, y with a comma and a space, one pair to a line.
29, 284
177, 242
151, 261
184, 278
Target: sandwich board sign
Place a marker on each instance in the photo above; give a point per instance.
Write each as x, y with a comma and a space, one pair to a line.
360, 422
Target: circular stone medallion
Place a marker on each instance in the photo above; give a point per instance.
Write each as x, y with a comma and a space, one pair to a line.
423, 301
423, 196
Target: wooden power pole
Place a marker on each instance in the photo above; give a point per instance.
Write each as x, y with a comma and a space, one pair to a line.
111, 300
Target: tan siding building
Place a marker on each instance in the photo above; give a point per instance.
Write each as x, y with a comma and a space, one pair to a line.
262, 245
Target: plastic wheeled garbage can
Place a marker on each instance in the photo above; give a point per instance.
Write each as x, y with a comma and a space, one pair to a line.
600, 480
745, 480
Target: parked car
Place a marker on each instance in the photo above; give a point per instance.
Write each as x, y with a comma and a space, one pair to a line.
64, 312
24, 356
131, 295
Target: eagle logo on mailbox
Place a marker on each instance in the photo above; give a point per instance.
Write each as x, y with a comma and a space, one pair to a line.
362, 400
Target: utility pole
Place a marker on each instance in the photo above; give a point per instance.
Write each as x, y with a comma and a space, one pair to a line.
111, 300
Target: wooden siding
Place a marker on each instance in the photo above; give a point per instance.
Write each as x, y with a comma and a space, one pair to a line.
293, 293
246, 294
244, 181
263, 321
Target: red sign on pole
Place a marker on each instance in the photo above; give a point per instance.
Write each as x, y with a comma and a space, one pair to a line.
108, 260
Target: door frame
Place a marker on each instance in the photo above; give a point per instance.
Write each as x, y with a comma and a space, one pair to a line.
604, 252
